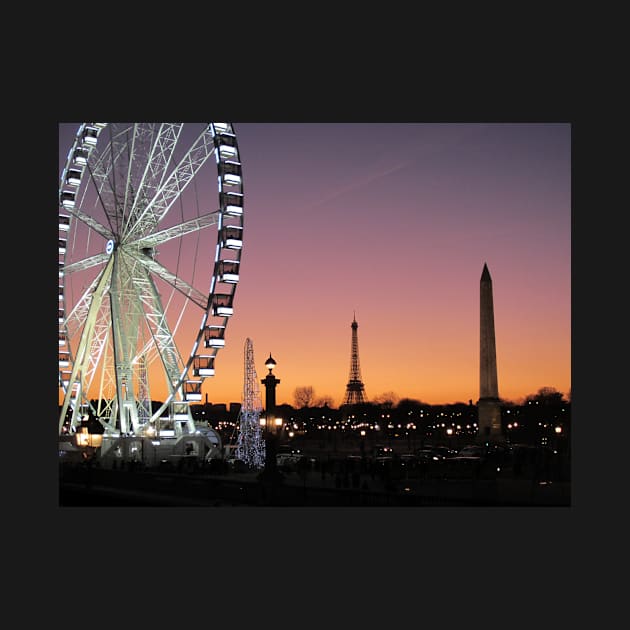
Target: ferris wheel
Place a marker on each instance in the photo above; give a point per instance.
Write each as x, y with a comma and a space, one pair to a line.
150, 243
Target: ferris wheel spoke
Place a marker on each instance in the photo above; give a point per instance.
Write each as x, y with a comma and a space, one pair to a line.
177, 231
82, 357
190, 292
78, 315
172, 187
98, 343
153, 169
86, 263
92, 223
102, 174
163, 338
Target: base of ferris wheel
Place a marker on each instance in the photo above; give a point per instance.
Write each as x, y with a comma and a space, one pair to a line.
196, 442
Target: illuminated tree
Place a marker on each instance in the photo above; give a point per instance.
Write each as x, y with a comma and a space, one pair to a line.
250, 444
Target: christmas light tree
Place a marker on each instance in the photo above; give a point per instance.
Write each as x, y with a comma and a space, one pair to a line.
250, 445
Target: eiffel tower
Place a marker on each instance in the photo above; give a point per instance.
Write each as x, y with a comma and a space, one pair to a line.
355, 390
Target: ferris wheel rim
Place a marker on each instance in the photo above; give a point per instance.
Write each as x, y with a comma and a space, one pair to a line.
229, 215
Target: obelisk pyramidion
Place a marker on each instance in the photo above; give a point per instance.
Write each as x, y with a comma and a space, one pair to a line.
489, 404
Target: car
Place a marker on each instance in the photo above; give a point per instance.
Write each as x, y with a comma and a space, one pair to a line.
426, 455
287, 458
473, 450
485, 461
434, 453
383, 451
287, 449
444, 452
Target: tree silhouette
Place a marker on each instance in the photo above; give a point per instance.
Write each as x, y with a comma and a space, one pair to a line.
303, 396
387, 400
546, 396
324, 401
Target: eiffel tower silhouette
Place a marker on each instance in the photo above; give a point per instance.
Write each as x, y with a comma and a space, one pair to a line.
355, 390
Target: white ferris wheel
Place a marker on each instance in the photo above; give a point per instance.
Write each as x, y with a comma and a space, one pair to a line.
149, 261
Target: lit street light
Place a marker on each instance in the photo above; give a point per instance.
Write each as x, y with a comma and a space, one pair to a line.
449, 432
271, 425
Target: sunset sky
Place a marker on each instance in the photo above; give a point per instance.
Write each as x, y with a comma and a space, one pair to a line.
393, 222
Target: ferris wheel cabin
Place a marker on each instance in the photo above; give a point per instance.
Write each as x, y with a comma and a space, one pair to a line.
230, 173
228, 271
90, 135
214, 336
203, 366
80, 156
192, 390
67, 199
226, 145
73, 178
232, 237
64, 358
222, 305
232, 203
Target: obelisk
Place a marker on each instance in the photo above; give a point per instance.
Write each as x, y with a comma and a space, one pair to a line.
489, 404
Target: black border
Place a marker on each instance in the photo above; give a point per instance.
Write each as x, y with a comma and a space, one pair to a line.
356, 550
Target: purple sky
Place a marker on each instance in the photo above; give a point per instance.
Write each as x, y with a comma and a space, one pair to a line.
394, 221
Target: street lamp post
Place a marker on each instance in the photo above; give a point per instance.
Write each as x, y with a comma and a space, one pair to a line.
271, 424
449, 432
